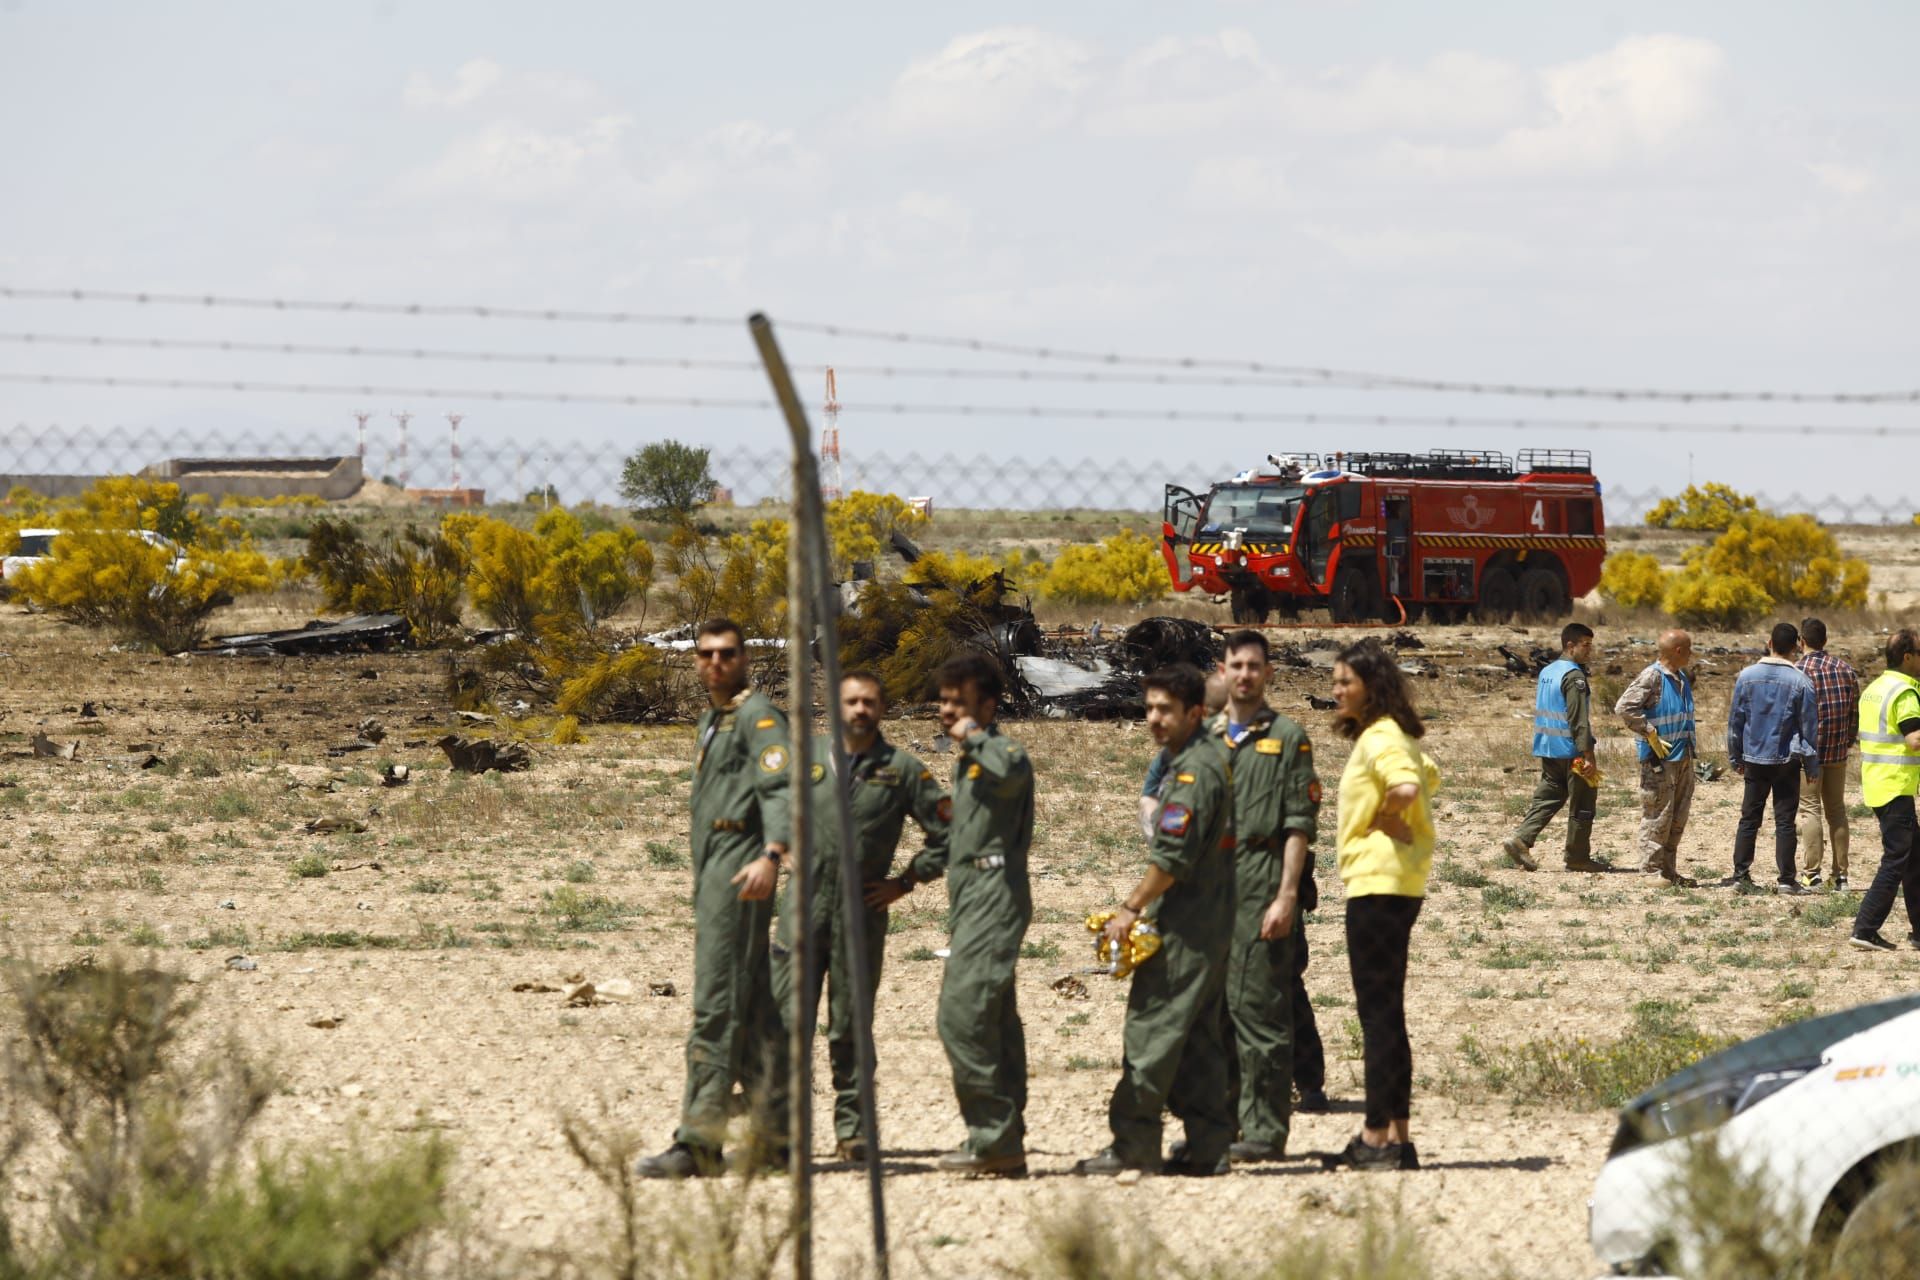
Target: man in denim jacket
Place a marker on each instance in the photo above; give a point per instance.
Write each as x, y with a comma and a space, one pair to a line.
1772, 735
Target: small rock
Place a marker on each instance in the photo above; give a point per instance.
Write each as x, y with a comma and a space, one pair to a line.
661, 989
1127, 1178
328, 1021
242, 964
228, 904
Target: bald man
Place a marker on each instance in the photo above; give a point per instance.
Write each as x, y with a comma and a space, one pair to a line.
1658, 710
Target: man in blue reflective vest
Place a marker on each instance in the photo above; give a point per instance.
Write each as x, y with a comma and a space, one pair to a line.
1658, 710
1563, 741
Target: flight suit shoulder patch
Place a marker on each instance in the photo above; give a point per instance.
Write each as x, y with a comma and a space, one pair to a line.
773, 759
819, 772
1186, 778
887, 777
973, 771
1175, 819
1269, 746
1313, 791
767, 722
926, 775
945, 808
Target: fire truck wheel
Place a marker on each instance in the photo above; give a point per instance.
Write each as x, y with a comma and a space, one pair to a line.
1499, 596
1249, 604
1353, 598
1541, 595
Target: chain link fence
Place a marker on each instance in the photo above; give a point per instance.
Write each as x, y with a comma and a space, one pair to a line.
580, 471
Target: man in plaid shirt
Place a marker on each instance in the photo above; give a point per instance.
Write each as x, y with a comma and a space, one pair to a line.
1836, 696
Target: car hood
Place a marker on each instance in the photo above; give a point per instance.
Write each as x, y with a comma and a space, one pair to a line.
1799, 1042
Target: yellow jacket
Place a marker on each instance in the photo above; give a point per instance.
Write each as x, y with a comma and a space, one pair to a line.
1373, 862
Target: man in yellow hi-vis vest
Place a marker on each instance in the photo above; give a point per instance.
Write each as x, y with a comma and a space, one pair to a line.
1889, 777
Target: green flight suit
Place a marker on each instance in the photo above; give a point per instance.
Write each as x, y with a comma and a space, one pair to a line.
887, 785
989, 907
1174, 1055
1275, 792
740, 805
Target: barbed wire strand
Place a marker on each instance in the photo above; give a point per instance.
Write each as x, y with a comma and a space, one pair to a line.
683, 363
1079, 413
1320, 376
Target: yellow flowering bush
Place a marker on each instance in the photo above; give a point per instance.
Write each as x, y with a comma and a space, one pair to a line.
1633, 579
1123, 569
1709, 506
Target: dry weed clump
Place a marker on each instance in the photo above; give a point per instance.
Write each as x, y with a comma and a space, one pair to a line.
154, 1177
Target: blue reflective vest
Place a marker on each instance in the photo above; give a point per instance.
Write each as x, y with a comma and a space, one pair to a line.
1672, 716
1552, 735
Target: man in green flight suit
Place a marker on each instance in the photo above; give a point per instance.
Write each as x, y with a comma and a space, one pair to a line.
884, 785
989, 907
1276, 808
1174, 1055
740, 828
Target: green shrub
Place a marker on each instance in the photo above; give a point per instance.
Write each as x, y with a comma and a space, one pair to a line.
1596, 1073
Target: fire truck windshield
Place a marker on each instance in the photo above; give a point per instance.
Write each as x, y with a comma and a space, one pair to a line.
1263, 509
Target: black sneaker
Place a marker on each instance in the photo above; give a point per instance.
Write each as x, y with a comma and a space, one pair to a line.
1839, 884
1747, 886
1314, 1102
1181, 1166
1792, 890
1811, 879
679, 1162
1255, 1151
1107, 1164
1392, 1157
1733, 881
1870, 941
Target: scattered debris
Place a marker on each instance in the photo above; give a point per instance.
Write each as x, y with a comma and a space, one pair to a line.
1070, 988
1709, 770
227, 904
88, 711
1159, 642
46, 748
137, 760
1538, 659
1319, 703
535, 988
371, 730
478, 755
395, 775
1406, 640
357, 866
473, 717
590, 995
348, 748
362, 633
661, 989
327, 1022
332, 826
242, 964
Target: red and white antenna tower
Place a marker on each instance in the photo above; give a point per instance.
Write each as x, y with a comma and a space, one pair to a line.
830, 443
360, 416
403, 418
453, 447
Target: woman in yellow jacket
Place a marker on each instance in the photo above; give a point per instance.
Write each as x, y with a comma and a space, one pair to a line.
1385, 849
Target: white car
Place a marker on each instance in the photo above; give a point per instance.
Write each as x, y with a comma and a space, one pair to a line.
37, 544
1819, 1112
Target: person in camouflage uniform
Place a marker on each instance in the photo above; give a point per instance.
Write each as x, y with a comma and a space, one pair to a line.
990, 904
741, 823
884, 786
1276, 809
1174, 1055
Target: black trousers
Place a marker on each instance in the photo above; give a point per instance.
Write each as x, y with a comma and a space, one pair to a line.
1899, 869
1782, 782
1379, 930
1309, 1057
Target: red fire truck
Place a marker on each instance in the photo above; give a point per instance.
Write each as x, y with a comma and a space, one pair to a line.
1446, 533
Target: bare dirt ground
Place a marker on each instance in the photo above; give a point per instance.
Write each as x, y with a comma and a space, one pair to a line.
462, 887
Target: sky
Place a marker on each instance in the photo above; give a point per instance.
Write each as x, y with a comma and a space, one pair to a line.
1674, 195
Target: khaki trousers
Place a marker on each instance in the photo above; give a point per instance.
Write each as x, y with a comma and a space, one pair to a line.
1824, 805
1666, 798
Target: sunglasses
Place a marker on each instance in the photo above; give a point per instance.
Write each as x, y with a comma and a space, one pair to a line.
717, 655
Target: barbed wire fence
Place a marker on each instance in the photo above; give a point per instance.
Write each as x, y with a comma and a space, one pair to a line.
583, 472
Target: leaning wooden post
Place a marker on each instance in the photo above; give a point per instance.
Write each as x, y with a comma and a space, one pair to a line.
811, 567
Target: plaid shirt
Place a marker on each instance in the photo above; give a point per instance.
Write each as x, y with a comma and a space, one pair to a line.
1836, 697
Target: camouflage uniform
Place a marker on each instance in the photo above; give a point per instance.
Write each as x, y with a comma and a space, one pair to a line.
885, 786
740, 805
990, 906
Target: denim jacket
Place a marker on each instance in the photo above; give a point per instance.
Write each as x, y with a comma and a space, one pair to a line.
1773, 718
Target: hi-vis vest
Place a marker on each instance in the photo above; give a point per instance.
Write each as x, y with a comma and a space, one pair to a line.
1552, 735
1888, 767
1672, 716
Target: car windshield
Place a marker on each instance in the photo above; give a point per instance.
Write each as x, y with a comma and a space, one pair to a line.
1263, 509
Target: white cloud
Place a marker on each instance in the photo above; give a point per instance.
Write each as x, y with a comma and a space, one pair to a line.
988, 81
518, 164
472, 81
1848, 180
1237, 184
1643, 96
